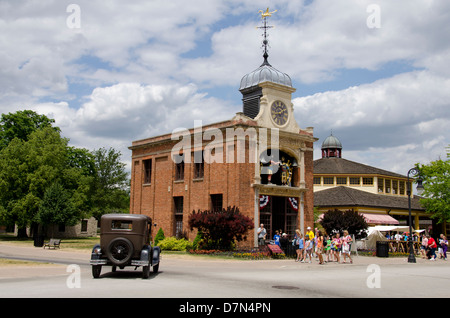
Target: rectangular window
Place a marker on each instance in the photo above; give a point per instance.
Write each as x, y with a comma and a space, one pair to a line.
179, 170
178, 226
341, 180
216, 202
121, 225
178, 205
355, 180
367, 181
178, 211
402, 187
328, 180
147, 170
84, 225
317, 180
380, 185
199, 165
394, 187
387, 185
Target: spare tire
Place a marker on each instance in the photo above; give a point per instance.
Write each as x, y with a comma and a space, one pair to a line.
119, 251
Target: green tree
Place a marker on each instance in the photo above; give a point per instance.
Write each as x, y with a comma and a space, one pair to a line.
78, 176
336, 221
34, 157
57, 207
21, 124
436, 183
159, 236
27, 168
111, 184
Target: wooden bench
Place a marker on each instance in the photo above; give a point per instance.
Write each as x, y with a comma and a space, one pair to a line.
53, 243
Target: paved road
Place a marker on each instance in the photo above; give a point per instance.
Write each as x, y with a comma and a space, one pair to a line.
194, 277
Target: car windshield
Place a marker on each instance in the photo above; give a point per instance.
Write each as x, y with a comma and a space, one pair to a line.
121, 225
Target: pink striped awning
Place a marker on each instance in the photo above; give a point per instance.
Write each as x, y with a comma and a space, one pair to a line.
379, 219
376, 219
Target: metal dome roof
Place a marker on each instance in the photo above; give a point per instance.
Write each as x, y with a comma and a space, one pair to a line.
265, 73
331, 142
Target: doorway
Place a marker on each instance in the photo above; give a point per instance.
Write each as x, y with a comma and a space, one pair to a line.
278, 213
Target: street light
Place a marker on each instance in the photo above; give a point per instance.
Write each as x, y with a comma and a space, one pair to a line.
414, 172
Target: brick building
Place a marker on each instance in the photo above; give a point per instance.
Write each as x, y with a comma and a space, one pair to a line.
260, 161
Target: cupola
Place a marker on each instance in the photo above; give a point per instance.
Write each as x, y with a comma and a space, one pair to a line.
250, 83
331, 147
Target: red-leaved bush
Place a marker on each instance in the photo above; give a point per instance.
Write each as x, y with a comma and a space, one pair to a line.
221, 228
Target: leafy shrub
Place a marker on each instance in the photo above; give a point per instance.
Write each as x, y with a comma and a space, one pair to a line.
159, 236
174, 244
197, 240
221, 228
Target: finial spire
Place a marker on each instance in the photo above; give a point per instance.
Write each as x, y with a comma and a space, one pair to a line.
265, 27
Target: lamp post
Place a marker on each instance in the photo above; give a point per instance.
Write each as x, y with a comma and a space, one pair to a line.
414, 172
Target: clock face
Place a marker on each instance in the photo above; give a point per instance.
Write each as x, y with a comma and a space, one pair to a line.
279, 113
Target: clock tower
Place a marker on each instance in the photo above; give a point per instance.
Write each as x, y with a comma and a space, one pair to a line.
267, 93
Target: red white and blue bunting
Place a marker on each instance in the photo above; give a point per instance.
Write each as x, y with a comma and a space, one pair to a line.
294, 203
263, 201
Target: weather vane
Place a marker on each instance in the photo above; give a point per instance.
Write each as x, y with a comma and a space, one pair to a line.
265, 27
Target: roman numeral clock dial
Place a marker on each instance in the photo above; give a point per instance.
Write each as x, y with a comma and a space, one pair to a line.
279, 113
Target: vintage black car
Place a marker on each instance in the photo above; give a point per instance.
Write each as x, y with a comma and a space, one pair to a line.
125, 241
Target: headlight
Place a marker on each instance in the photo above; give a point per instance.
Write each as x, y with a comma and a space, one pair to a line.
97, 250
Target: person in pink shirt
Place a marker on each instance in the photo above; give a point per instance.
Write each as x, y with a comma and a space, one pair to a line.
346, 246
336, 247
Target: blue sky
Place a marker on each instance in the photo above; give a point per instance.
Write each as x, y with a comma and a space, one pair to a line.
133, 70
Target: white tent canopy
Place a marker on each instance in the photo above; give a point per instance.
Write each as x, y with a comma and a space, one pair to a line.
373, 238
390, 228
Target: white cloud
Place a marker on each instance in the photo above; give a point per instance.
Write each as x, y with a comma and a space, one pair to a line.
114, 116
392, 123
145, 65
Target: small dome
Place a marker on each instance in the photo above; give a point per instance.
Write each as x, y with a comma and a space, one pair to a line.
331, 142
265, 73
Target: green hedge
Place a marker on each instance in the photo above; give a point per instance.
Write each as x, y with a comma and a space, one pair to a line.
174, 244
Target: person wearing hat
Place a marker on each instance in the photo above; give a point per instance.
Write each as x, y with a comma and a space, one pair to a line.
284, 242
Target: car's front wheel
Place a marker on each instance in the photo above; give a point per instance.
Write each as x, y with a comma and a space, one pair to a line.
146, 271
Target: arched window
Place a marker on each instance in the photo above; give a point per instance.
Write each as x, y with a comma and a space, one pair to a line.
277, 168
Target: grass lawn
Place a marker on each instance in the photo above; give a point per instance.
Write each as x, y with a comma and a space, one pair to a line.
14, 262
83, 243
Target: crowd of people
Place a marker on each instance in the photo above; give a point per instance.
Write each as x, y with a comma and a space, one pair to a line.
332, 248
429, 245
314, 245
325, 247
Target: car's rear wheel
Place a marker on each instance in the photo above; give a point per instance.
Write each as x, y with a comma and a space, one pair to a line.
96, 270
119, 251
